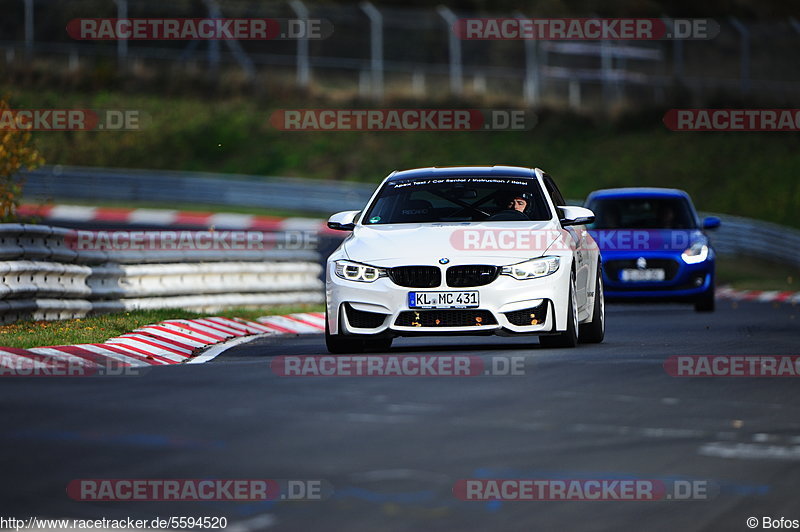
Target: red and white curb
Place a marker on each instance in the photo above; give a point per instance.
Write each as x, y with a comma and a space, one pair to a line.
164, 343
200, 340
167, 218
764, 296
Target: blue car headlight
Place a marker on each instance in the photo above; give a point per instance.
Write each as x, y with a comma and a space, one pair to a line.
697, 252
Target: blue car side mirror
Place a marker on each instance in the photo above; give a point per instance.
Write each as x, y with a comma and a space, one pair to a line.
711, 222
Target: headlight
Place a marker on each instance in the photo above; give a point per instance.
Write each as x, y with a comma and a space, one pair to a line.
698, 252
531, 269
354, 271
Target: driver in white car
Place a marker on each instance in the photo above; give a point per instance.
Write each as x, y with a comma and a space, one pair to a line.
517, 203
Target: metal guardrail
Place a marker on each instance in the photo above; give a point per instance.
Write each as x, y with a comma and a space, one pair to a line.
736, 236
415, 49
82, 183
41, 277
755, 238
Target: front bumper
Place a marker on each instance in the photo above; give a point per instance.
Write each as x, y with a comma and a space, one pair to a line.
684, 283
547, 296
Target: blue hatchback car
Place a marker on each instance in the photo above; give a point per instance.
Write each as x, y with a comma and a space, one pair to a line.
653, 246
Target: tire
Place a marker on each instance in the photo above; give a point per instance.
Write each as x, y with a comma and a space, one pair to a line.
568, 338
594, 331
705, 303
378, 344
339, 344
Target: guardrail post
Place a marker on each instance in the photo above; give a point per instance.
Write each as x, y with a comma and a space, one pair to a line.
744, 43
122, 44
303, 65
479, 83
213, 45
232, 44
28, 27
74, 60
454, 45
677, 53
364, 84
607, 65
376, 47
530, 90
543, 59
574, 94
418, 83
677, 60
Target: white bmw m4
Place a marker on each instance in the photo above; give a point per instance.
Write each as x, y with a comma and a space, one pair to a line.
464, 251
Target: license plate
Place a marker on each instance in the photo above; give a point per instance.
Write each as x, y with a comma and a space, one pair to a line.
466, 299
649, 274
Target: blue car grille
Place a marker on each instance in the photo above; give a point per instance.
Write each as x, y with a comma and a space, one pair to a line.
614, 267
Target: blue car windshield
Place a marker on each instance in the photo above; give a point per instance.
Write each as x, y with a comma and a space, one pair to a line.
458, 199
642, 212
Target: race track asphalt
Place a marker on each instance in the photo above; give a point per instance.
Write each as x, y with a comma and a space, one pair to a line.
392, 448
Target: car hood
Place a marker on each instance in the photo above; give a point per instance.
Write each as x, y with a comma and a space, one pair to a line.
646, 240
459, 243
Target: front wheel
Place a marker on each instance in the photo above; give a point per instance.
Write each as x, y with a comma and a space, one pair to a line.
568, 338
705, 303
594, 331
339, 344
378, 344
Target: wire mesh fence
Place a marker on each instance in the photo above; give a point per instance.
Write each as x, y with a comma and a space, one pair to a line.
383, 52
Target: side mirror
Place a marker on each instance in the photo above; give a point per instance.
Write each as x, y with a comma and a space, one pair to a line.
571, 215
711, 222
343, 221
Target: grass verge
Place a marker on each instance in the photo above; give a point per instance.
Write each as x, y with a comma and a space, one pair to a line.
721, 170
748, 273
742, 273
97, 329
178, 206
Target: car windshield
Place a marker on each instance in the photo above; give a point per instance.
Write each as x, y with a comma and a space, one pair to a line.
642, 213
458, 199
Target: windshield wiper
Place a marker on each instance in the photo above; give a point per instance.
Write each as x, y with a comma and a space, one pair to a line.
462, 204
